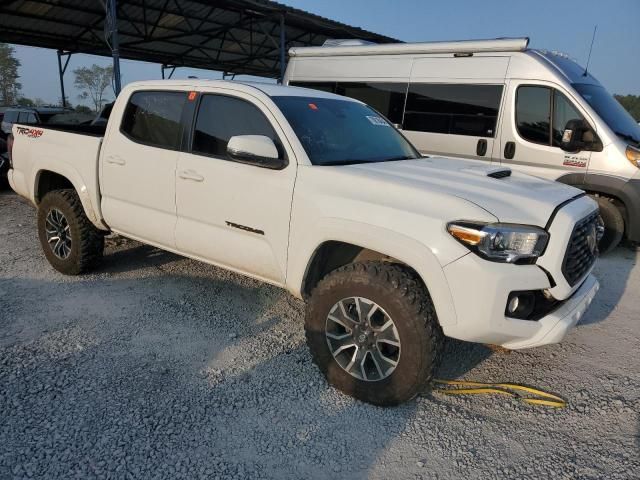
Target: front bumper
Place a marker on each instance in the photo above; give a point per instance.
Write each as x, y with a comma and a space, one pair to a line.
480, 290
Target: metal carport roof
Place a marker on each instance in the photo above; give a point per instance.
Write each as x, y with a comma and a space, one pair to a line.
235, 36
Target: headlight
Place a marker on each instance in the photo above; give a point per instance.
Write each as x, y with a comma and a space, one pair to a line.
633, 155
500, 242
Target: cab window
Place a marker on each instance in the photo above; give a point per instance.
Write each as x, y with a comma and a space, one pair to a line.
153, 118
542, 114
533, 113
221, 117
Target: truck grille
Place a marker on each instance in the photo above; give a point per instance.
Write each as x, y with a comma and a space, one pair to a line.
582, 250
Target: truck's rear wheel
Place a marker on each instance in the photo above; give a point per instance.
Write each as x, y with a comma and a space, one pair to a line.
613, 224
69, 240
373, 332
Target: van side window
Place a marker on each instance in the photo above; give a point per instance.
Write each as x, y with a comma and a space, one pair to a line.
153, 118
221, 117
329, 87
533, 113
453, 108
563, 112
387, 98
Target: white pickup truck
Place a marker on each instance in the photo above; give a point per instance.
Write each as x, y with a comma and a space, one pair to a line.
320, 195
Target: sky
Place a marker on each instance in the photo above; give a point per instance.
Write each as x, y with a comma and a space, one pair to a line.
565, 26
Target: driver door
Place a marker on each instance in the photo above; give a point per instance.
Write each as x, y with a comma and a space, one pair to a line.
535, 120
233, 214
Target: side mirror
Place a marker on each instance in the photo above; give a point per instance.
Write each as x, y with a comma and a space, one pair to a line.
257, 150
578, 135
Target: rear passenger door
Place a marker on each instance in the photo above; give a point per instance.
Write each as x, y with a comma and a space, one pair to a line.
138, 165
233, 214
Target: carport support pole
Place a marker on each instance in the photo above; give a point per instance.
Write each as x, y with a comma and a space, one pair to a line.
282, 48
115, 48
61, 71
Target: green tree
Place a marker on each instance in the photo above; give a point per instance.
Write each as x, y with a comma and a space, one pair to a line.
93, 82
25, 102
9, 85
83, 109
631, 103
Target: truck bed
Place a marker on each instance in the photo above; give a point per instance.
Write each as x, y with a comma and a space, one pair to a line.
71, 151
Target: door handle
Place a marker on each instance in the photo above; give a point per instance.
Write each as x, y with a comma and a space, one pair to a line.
191, 175
481, 148
509, 150
116, 160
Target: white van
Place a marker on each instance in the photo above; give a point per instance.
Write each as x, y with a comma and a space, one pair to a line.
495, 101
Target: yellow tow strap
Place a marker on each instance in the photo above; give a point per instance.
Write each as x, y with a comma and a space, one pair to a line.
461, 387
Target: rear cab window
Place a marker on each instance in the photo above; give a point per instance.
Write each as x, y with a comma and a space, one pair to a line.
154, 118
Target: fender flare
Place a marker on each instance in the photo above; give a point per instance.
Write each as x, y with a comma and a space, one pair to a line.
75, 179
382, 240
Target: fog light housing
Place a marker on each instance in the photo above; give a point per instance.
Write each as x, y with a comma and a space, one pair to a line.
521, 305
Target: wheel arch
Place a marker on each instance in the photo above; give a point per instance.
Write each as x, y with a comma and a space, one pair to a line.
47, 180
339, 249
624, 192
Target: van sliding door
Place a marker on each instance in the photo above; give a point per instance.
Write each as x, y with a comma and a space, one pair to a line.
453, 105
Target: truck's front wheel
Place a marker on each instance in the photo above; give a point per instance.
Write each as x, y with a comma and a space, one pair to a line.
69, 240
373, 332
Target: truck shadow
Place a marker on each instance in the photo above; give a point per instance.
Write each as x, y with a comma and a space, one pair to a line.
612, 271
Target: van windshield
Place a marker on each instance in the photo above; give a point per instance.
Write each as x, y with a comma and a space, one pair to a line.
342, 132
608, 108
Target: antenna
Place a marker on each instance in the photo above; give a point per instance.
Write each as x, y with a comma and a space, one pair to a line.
586, 69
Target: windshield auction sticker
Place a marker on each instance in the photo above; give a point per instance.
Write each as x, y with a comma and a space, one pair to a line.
381, 122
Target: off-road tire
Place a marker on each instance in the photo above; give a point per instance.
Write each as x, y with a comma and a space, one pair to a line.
87, 242
613, 224
403, 296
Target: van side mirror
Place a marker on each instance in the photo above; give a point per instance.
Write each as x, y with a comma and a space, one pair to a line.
578, 135
257, 150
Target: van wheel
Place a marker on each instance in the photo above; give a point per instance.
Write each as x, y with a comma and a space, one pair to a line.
69, 240
613, 224
373, 332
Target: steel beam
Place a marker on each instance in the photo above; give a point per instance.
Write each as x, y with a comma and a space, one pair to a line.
61, 70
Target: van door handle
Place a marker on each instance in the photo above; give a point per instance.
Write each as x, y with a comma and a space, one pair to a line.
481, 148
116, 160
191, 175
509, 150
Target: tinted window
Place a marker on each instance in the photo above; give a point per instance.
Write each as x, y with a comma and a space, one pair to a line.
453, 109
387, 98
153, 118
322, 86
533, 113
563, 112
11, 116
27, 118
221, 117
335, 132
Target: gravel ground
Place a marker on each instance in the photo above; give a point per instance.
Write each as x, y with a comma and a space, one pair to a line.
161, 367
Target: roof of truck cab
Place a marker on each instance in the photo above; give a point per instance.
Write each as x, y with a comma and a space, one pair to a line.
269, 89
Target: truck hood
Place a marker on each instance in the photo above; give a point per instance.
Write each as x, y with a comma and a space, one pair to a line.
510, 196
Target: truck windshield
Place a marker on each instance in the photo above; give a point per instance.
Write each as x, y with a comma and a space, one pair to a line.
608, 108
342, 132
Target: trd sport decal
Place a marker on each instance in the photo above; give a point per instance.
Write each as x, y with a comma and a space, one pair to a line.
30, 132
